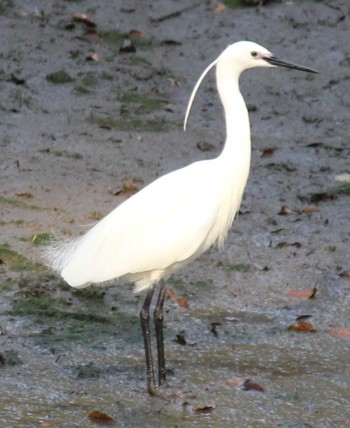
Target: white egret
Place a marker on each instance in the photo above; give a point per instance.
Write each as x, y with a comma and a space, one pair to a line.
177, 217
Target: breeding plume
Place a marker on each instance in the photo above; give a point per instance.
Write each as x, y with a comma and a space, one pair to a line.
177, 217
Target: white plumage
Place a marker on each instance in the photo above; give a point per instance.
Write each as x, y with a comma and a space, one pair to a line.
177, 217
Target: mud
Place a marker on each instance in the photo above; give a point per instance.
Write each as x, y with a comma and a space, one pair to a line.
78, 136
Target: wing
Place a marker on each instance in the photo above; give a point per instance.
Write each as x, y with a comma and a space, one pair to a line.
166, 223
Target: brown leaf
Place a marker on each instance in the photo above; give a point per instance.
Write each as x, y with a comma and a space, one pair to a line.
130, 185
180, 339
236, 382
345, 274
95, 57
26, 195
99, 416
182, 302
288, 244
285, 210
85, 19
136, 34
219, 8
302, 326
170, 295
309, 210
248, 385
302, 294
267, 152
340, 332
204, 409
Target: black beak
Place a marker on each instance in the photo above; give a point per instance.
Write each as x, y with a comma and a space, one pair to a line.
282, 63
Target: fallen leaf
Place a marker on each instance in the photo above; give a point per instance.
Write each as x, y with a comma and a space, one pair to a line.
213, 328
219, 8
248, 385
288, 244
95, 215
302, 294
180, 339
205, 146
136, 34
267, 152
168, 107
235, 382
340, 332
170, 295
93, 57
285, 210
99, 416
83, 18
105, 126
127, 46
170, 42
303, 317
204, 409
302, 326
130, 185
345, 274
309, 210
26, 195
17, 80
182, 302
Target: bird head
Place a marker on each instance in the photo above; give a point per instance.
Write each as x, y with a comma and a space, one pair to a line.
244, 55
241, 56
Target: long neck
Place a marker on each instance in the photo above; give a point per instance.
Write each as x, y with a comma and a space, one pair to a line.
236, 114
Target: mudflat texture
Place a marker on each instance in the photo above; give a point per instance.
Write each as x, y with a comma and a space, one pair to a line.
91, 111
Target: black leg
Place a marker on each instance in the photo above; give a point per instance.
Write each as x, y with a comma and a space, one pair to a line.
144, 317
158, 322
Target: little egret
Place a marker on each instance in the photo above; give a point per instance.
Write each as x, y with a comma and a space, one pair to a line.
177, 217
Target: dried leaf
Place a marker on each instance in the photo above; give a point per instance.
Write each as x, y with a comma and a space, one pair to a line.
267, 152
248, 385
309, 210
168, 107
26, 195
180, 339
170, 295
204, 409
93, 57
95, 215
302, 294
170, 42
182, 302
127, 46
302, 326
288, 244
235, 382
135, 34
17, 80
219, 8
285, 210
83, 18
345, 274
99, 416
130, 185
213, 328
303, 317
340, 332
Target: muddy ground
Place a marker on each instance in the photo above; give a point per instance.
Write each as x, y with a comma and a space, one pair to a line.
80, 133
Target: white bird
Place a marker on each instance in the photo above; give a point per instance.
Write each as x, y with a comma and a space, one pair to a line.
177, 217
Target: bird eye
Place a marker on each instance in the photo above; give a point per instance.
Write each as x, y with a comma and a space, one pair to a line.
254, 54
